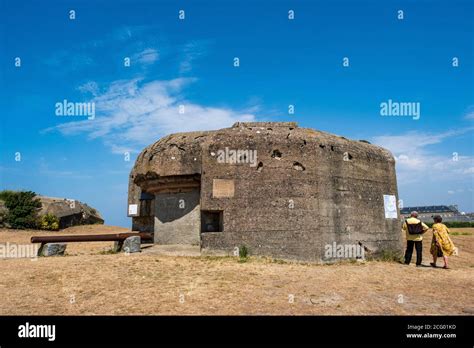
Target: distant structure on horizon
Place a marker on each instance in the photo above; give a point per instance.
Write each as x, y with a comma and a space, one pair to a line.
447, 212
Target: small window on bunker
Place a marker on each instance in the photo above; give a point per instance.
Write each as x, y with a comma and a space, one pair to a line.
211, 221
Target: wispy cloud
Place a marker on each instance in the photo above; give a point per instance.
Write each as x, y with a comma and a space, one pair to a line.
89, 87
122, 40
69, 60
126, 33
131, 114
147, 56
135, 112
413, 141
417, 162
191, 52
469, 113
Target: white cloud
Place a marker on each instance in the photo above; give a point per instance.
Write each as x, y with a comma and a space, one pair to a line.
469, 115
147, 56
413, 141
131, 114
417, 163
89, 87
469, 170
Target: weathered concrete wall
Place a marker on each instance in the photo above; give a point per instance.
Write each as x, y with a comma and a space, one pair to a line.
177, 218
307, 189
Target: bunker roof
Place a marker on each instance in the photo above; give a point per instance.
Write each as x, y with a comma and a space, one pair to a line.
181, 153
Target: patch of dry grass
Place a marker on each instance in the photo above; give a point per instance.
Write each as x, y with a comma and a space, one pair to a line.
90, 281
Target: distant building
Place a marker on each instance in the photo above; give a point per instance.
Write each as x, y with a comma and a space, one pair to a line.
426, 213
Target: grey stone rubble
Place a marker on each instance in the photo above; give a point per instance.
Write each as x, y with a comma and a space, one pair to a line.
132, 245
52, 249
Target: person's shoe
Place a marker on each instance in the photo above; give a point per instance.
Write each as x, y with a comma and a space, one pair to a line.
433, 264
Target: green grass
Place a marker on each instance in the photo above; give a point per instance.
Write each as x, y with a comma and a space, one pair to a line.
454, 224
107, 252
386, 256
279, 261
243, 254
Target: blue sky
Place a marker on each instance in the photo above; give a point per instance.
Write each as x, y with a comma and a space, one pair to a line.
190, 62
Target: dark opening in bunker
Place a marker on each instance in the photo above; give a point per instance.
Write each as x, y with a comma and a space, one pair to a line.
212, 221
146, 204
298, 166
276, 154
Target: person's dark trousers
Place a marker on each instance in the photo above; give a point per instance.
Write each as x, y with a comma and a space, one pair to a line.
409, 252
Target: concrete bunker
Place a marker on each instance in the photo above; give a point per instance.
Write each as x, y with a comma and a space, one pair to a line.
287, 197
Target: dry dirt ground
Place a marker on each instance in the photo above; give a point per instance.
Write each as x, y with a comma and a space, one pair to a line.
89, 280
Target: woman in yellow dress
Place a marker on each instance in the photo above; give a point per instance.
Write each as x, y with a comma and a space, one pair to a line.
441, 244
